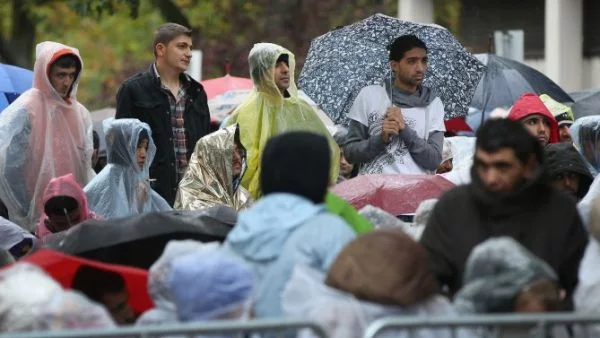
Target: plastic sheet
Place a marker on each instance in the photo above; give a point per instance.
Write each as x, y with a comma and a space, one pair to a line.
43, 136
123, 189
64, 186
382, 220
32, 301
266, 113
586, 138
345, 316
496, 271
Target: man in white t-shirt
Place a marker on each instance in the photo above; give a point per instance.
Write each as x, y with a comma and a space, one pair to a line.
398, 128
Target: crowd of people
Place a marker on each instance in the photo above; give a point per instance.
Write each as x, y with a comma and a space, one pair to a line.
509, 237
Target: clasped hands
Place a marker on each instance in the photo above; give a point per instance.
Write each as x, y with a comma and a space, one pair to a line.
393, 123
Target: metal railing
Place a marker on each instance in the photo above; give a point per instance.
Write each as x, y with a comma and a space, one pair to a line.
540, 325
188, 330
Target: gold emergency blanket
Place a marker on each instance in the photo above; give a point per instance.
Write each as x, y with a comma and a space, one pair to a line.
209, 179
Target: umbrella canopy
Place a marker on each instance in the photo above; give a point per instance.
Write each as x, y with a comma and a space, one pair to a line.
222, 85
343, 61
13, 82
396, 194
587, 102
139, 240
62, 268
505, 80
457, 124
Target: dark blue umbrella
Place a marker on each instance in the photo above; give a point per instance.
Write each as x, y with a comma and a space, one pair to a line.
505, 80
341, 62
13, 82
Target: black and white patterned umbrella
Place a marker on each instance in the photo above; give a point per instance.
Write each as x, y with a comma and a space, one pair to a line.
341, 62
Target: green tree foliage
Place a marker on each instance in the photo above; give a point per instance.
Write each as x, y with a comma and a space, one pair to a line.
114, 37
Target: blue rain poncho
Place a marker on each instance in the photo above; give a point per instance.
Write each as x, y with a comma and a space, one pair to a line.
122, 189
164, 311
209, 285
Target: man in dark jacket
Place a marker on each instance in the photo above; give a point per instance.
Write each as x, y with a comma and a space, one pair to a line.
508, 196
172, 103
567, 169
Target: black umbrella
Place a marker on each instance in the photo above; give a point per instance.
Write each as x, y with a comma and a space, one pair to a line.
139, 240
587, 102
505, 80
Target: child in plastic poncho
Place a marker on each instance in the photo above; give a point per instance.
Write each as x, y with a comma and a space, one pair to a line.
122, 188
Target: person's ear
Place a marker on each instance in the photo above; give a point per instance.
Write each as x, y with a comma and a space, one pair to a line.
160, 49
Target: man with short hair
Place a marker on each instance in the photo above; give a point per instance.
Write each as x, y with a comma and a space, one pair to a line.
508, 196
273, 108
46, 133
563, 115
399, 128
536, 118
567, 170
172, 103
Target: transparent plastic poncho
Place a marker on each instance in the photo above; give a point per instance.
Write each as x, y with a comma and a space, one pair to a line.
345, 316
164, 310
32, 301
122, 188
496, 272
266, 113
586, 138
43, 136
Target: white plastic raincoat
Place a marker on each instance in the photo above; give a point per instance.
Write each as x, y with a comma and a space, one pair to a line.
32, 301
122, 189
43, 136
164, 310
586, 138
266, 113
344, 316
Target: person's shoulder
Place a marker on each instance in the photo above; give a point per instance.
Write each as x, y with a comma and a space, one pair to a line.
140, 78
460, 193
373, 90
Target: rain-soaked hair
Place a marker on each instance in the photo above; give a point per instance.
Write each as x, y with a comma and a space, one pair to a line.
143, 136
496, 134
403, 44
68, 61
167, 32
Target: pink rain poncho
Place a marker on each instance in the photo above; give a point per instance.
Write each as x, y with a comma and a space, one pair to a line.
43, 136
63, 186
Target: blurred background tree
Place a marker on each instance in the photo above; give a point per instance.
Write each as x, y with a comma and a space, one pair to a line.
114, 37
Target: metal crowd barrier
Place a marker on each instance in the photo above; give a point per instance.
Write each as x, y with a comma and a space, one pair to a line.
540, 325
185, 330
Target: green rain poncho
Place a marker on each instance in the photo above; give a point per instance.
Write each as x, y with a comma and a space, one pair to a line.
266, 113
